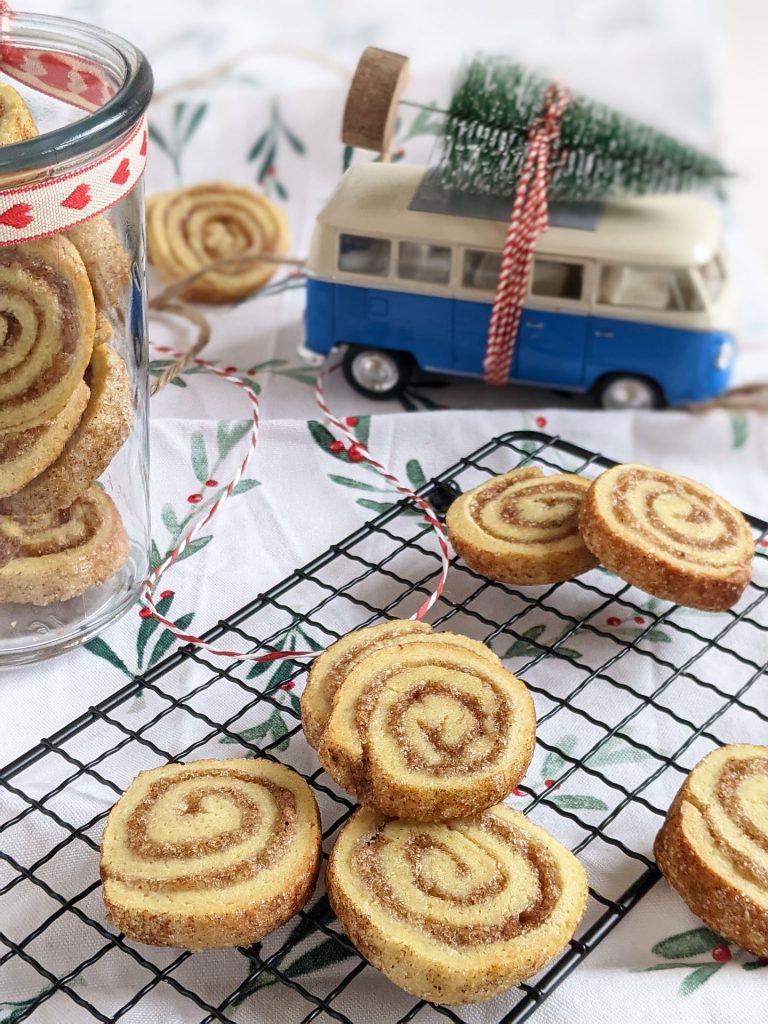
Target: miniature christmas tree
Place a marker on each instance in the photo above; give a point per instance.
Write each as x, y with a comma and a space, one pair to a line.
599, 151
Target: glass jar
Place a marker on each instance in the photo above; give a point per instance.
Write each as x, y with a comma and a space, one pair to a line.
74, 511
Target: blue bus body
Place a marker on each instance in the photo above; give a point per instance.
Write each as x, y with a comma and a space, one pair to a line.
559, 350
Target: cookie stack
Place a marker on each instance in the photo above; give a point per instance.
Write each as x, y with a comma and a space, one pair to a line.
451, 894
667, 534
66, 405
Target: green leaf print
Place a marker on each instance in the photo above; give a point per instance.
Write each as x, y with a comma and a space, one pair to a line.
273, 727
685, 944
194, 546
739, 429
167, 638
616, 750
696, 978
415, 474
194, 122
347, 481
244, 485
257, 147
554, 763
14, 1009
102, 649
328, 952
362, 429
199, 457
228, 435
170, 521
148, 627
571, 802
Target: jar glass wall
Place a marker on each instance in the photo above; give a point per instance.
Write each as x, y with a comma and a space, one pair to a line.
74, 514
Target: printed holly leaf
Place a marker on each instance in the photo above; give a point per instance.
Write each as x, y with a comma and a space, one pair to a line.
229, 434
167, 638
554, 763
321, 435
267, 162
616, 750
696, 978
571, 802
656, 635
280, 188
362, 429
178, 382
194, 122
569, 652
328, 952
293, 140
258, 145
102, 649
685, 944
244, 485
415, 474
346, 157
194, 546
346, 481
148, 627
156, 136
170, 521
739, 429
199, 457
376, 506
520, 648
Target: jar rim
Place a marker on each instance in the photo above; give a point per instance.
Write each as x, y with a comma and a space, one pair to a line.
97, 128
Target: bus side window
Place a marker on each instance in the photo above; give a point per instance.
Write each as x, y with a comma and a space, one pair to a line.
481, 270
419, 261
555, 279
647, 288
360, 254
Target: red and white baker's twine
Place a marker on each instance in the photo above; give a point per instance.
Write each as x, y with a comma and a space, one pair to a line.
528, 219
62, 201
189, 638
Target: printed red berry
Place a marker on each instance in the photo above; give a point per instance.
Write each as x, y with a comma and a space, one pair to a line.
194, 499
764, 542
145, 613
270, 170
336, 447
166, 594
230, 369
541, 421
518, 792
251, 373
549, 783
354, 454
639, 620
721, 954
211, 483
613, 620
351, 421
287, 686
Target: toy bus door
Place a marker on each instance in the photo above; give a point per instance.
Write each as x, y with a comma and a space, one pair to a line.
551, 341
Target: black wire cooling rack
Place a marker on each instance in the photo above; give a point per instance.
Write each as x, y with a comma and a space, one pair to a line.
630, 693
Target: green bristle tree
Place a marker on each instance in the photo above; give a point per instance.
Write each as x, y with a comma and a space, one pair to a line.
600, 152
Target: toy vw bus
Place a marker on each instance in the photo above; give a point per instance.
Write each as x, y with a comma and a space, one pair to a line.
632, 306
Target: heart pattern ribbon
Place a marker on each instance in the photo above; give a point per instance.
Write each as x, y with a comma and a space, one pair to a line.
62, 201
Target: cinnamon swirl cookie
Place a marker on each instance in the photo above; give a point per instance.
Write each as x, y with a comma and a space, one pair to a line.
104, 426
106, 262
668, 535
455, 912
10, 539
331, 668
713, 846
522, 527
211, 853
200, 224
16, 122
47, 324
62, 554
24, 454
432, 729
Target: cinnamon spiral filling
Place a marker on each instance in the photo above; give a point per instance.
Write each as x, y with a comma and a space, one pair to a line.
202, 830
677, 516
201, 224
530, 511
431, 728
464, 884
47, 325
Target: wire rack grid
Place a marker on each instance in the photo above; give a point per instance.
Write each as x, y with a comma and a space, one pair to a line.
630, 693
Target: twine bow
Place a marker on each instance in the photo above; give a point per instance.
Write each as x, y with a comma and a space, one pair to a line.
529, 217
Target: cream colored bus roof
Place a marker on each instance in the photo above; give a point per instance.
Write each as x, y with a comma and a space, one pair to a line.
670, 230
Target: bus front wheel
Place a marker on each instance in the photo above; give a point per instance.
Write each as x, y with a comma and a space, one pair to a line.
376, 372
627, 391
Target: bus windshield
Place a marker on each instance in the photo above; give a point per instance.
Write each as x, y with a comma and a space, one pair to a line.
713, 277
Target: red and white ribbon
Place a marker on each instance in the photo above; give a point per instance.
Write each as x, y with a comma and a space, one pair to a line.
59, 203
529, 218
62, 201
190, 638
429, 515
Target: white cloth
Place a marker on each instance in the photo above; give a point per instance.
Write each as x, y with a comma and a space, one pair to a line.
651, 59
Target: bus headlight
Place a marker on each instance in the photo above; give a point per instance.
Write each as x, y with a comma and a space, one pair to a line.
724, 355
